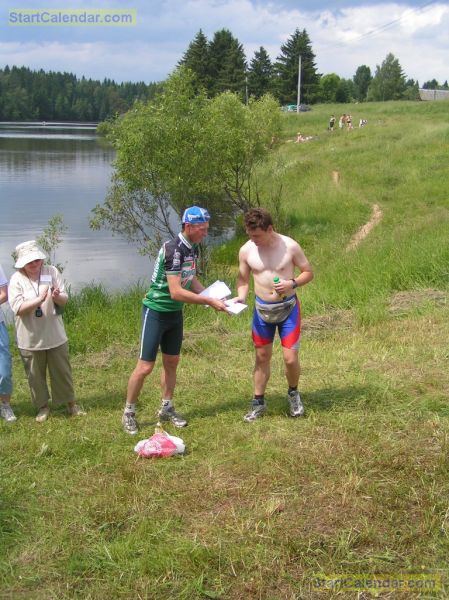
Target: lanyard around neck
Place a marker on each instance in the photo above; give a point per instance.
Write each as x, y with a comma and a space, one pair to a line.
38, 284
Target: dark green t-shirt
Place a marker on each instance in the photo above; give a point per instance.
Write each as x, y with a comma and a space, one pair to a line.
176, 257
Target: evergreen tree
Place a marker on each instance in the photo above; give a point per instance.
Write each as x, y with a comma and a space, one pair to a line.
41, 99
286, 68
62, 107
197, 59
260, 74
227, 64
388, 82
362, 79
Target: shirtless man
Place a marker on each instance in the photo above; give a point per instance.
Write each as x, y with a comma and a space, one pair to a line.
268, 256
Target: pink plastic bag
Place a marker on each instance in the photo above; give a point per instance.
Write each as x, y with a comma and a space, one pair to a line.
160, 445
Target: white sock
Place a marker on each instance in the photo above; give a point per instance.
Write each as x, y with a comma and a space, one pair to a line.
167, 403
130, 408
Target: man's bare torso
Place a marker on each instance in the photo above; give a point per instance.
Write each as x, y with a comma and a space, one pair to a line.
267, 262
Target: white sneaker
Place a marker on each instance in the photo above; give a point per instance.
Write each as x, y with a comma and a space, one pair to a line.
296, 405
7, 413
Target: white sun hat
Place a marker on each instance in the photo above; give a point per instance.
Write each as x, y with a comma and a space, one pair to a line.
26, 252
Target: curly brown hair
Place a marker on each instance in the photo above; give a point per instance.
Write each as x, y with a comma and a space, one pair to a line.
258, 217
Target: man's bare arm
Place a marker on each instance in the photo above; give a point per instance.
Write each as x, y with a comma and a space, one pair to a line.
300, 261
243, 278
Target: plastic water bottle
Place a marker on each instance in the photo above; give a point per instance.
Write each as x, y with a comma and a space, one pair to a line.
277, 280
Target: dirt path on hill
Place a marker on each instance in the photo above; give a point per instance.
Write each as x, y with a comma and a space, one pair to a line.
376, 217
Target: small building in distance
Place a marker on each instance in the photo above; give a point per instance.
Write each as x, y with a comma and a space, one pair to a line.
433, 94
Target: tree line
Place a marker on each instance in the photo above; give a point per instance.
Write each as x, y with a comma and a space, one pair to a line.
220, 64
54, 96
434, 85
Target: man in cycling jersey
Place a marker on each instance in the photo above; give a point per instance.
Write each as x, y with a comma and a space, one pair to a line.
173, 283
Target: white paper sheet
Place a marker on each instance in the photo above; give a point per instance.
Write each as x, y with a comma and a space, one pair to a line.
217, 290
235, 308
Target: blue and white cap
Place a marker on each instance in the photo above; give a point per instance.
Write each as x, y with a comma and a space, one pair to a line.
195, 214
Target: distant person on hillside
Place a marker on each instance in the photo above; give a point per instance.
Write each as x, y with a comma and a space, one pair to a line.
342, 121
173, 283
349, 121
332, 123
273, 259
300, 138
37, 296
6, 411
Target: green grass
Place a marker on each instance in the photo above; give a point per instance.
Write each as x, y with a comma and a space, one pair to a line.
253, 512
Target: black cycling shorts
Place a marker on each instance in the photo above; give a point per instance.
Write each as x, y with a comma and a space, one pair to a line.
160, 329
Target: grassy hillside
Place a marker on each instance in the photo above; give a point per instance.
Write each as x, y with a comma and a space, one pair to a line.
359, 486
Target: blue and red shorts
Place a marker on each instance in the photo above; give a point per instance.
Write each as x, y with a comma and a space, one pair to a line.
289, 329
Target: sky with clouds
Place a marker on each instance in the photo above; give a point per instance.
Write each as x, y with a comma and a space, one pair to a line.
344, 35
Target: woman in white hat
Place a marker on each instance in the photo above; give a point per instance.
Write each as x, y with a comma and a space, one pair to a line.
37, 296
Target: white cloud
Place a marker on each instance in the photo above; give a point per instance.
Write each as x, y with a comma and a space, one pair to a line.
364, 35
432, 16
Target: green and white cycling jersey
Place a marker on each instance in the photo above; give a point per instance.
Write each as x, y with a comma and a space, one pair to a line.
176, 257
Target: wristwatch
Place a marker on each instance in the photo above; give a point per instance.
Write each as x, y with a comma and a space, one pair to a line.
295, 285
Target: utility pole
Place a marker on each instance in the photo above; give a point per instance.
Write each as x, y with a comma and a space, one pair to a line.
298, 97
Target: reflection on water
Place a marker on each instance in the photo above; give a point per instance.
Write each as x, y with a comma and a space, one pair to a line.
48, 170
30, 136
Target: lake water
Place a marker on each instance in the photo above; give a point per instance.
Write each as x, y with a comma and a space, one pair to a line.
61, 169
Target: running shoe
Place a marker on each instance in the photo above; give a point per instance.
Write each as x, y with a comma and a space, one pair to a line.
256, 410
7, 413
296, 405
129, 423
169, 414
